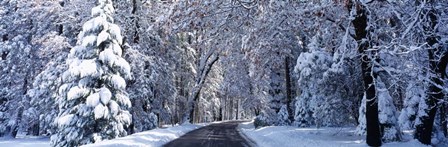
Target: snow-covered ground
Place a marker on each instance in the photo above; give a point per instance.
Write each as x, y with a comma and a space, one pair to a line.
272, 136
151, 138
287, 136
25, 141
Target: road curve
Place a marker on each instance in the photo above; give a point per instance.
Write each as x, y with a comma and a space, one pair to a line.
223, 134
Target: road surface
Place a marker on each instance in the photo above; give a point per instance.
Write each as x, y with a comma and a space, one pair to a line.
223, 134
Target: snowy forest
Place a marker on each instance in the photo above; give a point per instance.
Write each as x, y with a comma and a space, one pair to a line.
83, 71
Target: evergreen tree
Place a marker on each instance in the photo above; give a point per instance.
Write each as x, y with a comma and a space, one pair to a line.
311, 67
43, 96
387, 113
93, 103
361, 128
415, 92
283, 119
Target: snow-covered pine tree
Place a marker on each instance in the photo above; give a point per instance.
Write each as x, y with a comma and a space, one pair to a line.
43, 96
310, 68
39, 117
387, 113
414, 94
361, 128
303, 114
283, 116
141, 90
15, 71
93, 103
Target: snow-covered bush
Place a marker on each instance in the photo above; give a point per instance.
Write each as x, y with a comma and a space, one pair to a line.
261, 121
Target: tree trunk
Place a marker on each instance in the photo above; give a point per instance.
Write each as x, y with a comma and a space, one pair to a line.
443, 119
205, 67
224, 111
135, 5
372, 126
131, 128
159, 121
231, 108
221, 118
288, 90
237, 109
423, 131
196, 113
34, 130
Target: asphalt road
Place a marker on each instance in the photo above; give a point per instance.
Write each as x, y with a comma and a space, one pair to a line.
223, 134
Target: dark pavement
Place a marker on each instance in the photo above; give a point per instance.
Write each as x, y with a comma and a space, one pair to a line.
223, 134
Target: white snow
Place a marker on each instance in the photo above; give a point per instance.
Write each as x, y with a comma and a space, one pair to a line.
88, 68
105, 95
272, 136
109, 8
84, 68
76, 92
414, 93
123, 100
117, 49
108, 57
93, 24
116, 33
89, 40
288, 136
101, 112
118, 82
124, 117
152, 138
25, 141
93, 100
124, 67
114, 108
102, 37
65, 120
96, 11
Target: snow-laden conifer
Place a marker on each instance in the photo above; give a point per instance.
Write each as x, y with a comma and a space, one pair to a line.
93, 103
415, 92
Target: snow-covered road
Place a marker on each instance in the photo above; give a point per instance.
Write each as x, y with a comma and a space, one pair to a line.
223, 134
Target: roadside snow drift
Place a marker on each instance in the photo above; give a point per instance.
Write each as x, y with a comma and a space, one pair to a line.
152, 138
25, 141
287, 136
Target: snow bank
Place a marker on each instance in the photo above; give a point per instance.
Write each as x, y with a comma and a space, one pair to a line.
152, 138
25, 141
287, 136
